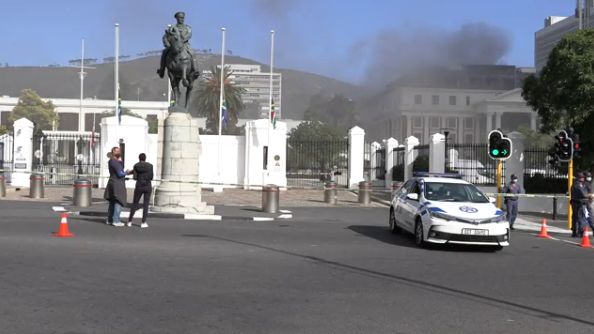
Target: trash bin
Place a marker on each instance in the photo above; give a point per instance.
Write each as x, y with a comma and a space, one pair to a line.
2, 185
36, 186
81, 194
364, 192
330, 192
270, 196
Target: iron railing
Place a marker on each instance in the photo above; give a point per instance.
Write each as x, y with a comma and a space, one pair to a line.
311, 163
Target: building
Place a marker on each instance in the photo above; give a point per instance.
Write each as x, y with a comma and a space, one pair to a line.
467, 101
257, 88
555, 27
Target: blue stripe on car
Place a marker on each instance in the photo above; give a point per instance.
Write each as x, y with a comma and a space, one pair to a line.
498, 213
434, 209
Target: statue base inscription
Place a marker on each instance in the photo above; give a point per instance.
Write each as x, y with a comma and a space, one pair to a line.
179, 192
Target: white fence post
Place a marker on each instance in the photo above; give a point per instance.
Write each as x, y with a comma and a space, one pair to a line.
390, 144
356, 156
374, 147
437, 153
23, 152
409, 156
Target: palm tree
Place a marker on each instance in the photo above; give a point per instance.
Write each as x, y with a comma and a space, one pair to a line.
208, 99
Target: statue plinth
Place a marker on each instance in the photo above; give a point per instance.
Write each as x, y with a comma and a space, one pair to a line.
179, 191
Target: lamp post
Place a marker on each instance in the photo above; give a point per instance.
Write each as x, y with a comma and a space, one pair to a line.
446, 133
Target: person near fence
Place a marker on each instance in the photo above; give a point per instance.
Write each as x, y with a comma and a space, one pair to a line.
511, 200
588, 206
579, 201
143, 174
115, 191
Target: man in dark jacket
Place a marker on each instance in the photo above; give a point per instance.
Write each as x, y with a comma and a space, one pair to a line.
115, 191
579, 201
143, 174
511, 200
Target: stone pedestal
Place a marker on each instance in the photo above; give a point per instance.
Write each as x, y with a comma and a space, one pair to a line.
179, 192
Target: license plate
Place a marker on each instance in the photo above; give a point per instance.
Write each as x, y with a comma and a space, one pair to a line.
471, 231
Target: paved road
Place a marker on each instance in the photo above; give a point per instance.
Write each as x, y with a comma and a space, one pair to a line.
326, 271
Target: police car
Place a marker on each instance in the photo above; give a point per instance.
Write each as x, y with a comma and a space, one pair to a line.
442, 208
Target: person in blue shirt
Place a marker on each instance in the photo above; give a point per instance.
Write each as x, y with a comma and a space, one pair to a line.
115, 191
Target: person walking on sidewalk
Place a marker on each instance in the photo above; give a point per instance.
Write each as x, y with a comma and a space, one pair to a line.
143, 174
511, 200
115, 191
579, 201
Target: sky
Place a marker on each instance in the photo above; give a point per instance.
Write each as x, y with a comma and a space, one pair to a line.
357, 41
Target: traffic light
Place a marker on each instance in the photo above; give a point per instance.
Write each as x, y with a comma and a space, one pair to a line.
563, 147
577, 146
500, 147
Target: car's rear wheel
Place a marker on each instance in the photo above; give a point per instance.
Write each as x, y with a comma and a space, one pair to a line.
392, 220
419, 234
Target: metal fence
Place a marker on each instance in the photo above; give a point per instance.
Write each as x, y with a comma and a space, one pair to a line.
398, 163
374, 164
421, 162
63, 156
6, 155
542, 177
311, 163
473, 162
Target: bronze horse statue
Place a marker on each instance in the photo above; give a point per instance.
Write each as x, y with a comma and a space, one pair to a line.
179, 66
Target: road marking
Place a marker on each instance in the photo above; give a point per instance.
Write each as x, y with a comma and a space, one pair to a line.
59, 209
263, 219
285, 216
285, 211
194, 216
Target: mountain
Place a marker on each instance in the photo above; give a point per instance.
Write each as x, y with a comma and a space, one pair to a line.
138, 80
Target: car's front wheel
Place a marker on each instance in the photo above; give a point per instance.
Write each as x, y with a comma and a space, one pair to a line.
392, 220
419, 234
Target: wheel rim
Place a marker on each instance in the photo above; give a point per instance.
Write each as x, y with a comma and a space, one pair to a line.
419, 234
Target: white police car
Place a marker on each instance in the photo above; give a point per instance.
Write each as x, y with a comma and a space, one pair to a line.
438, 208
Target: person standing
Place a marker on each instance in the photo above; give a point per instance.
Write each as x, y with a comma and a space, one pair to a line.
511, 200
143, 174
115, 191
579, 199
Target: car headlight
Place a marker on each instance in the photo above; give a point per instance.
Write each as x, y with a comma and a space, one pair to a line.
441, 215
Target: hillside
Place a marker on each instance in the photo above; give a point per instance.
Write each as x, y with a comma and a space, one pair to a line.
138, 79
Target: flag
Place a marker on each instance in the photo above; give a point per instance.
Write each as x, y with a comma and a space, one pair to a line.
225, 114
273, 115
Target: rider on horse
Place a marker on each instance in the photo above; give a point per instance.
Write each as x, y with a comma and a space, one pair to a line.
185, 32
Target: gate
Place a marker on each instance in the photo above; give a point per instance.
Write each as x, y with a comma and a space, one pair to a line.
473, 162
375, 164
311, 163
540, 176
421, 162
398, 162
6, 155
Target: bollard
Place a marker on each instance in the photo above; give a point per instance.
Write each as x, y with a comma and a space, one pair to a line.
270, 198
36, 186
81, 194
364, 192
554, 208
330, 192
2, 185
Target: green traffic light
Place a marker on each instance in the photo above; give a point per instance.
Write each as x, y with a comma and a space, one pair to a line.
495, 152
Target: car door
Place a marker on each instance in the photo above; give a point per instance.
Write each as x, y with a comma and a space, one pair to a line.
411, 206
398, 201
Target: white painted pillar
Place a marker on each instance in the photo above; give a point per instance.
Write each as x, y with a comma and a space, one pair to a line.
375, 146
23, 152
409, 156
389, 144
437, 153
489, 123
356, 156
533, 121
497, 120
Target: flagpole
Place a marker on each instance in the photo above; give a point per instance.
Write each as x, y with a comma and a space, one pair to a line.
117, 67
221, 101
270, 101
82, 81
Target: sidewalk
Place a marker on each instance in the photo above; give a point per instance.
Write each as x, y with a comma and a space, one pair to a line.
229, 197
533, 223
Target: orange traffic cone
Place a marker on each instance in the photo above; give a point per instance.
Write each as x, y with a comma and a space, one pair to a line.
586, 239
63, 230
543, 230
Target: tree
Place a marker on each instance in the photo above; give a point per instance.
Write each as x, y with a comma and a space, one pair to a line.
208, 99
3, 129
535, 139
314, 145
337, 111
32, 107
563, 94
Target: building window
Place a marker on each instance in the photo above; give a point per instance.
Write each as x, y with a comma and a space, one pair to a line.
417, 122
468, 123
435, 100
452, 100
468, 138
434, 122
468, 100
451, 123
418, 99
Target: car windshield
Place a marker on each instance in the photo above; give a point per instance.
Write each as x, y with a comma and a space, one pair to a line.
454, 192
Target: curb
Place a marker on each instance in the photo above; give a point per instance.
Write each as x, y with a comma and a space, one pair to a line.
284, 215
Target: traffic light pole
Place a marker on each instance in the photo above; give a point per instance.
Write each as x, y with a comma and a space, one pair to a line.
569, 185
498, 177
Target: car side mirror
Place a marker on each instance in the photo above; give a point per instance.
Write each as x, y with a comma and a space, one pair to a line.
492, 199
413, 196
